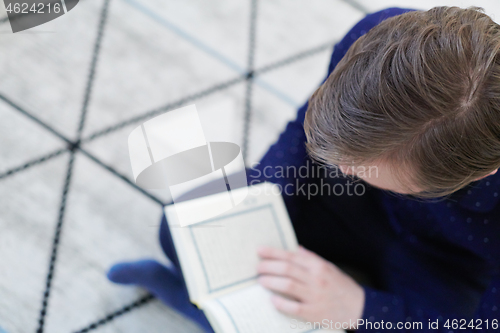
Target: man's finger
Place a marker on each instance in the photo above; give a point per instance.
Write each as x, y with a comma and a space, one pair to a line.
280, 254
283, 268
287, 286
287, 306
274, 253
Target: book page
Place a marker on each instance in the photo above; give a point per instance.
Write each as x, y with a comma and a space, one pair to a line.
250, 310
220, 255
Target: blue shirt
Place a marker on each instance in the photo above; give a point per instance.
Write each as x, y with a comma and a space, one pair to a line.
439, 259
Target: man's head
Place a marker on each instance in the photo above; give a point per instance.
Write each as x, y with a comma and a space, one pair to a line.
419, 97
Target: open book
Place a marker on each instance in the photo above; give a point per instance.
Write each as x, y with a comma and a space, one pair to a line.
219, 261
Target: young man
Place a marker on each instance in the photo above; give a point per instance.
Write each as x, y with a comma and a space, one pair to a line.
416, 96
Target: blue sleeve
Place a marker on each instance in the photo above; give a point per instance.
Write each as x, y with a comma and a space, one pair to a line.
388, 309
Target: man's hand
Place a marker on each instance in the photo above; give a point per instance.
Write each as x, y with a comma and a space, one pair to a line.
315, 289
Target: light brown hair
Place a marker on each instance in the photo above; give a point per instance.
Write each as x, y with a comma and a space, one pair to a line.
420, 90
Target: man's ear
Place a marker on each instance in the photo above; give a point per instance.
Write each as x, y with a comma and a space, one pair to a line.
491, 173
347, 170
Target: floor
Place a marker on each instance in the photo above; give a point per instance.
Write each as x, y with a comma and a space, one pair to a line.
120, 62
